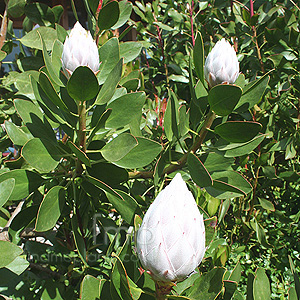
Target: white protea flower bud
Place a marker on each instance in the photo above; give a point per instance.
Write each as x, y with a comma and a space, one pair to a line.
80, 50
171, 240
221, 65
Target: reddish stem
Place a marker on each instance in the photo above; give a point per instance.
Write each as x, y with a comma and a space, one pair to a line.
192, 22
251, 9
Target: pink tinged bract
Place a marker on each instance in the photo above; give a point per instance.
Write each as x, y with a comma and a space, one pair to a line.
80, 50
171, 239
221, 64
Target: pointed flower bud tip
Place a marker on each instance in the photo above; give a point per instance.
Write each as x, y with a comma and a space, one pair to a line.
221, 65
80, 50
171, 239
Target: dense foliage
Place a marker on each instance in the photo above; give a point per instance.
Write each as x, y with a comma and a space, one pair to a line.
83, 157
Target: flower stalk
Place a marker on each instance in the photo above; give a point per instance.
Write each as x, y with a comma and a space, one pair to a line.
162, 289
81, 133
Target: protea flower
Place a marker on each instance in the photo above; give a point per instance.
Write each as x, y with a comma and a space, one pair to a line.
171, 240
221, 65
80, 50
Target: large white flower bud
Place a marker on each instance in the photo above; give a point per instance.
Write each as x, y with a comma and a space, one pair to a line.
80, 50
171, 240
221, 65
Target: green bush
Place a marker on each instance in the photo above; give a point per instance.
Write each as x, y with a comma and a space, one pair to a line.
84, 157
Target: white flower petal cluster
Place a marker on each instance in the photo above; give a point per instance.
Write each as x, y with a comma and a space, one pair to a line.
221, 65
80, 50
171, 240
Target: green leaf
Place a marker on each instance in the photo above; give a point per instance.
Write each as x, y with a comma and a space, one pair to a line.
252, 93
125, 109
119, 147
234, 150
210, 229
53, 73
198, 56
216, 162
108, 173
230, 288
266, 204
122, 202
49, 90
236, 273
22, 220
41, 154
296, 277
109, 87
9, 252
208, 286
100, 124
6, 188
30, 63
130, 50
223, 98
125, 8
127, 208
79, 154
141, 155
91, 288
61, 33
58, 11
261, 286
32, 38
109, 57
261, 235
79, 240
40, 13
2, 55
198, 171
238, 131
16, 134
15, 8
228, 184
83, 84
108, 15
124, 286
50, 209
292, 295
25, 182
18, 265
171, 116
33, 118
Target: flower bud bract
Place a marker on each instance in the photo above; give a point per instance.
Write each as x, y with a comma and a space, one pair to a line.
221, 65
80, 50
171, 240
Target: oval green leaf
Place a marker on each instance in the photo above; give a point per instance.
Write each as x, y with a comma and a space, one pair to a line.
198, 56
125, 8
198, 172
90, 288
238, 131
125, 109
16, 134
32, 38
25, 182
6, 188
141, 155
50, 209
223, 98
108, 15
261, 286
41, 154
9, 252
119, 147
83, 84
